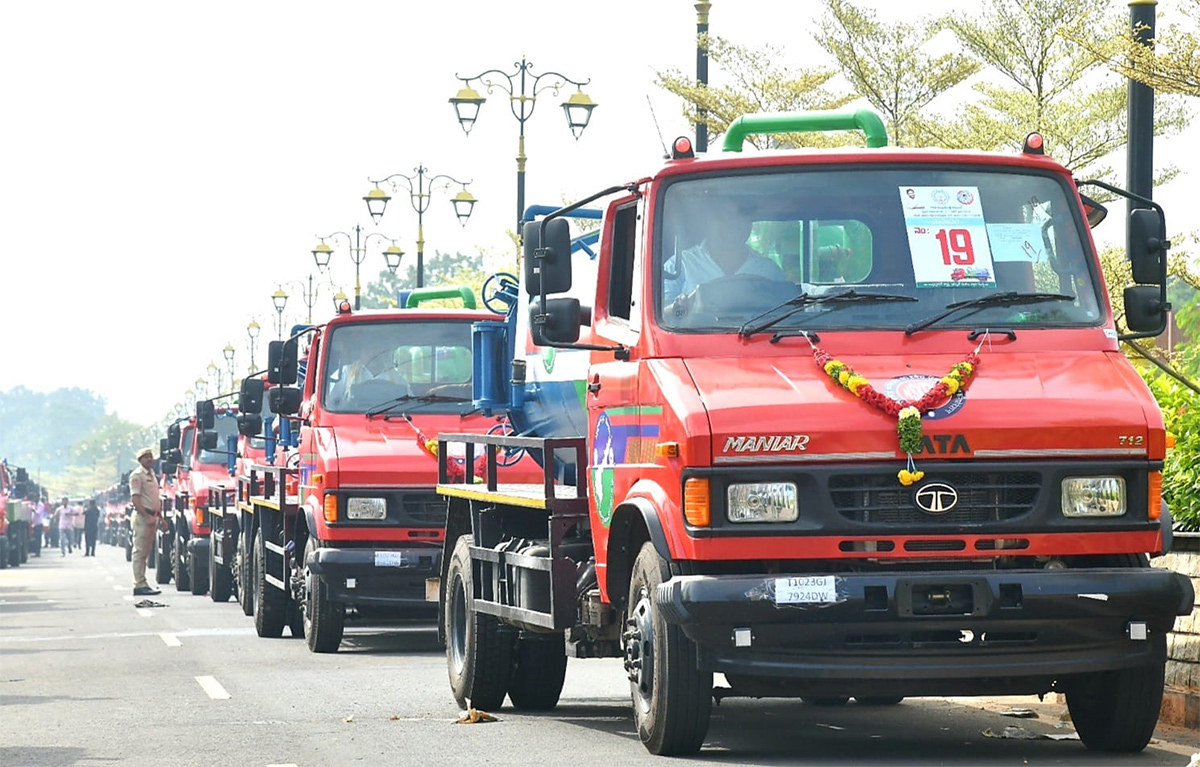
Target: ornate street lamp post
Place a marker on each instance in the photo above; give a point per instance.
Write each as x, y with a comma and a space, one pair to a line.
322, 253
522, 87
419, 194
252, 331
279, 299
229, 351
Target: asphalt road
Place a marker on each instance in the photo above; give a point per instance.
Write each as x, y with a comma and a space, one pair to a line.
86, 678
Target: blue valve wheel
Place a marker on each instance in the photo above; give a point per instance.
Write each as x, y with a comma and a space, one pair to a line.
490, 292
506, 458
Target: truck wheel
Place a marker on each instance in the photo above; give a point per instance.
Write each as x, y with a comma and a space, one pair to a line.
672, 699
479, 649
183, 579
160, 560
3, 551
128, 549
538, 673
324, 620
880, 700
1116, 711
827, 702
271, 613
198, 575
246, 573
220, 579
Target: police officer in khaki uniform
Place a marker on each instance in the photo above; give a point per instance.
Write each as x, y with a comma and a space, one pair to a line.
143, 491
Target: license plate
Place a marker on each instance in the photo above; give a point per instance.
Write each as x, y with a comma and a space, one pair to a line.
806, 590
366, 508
389, 559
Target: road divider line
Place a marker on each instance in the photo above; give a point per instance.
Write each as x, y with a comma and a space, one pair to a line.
118, 588
170, 640
212, 687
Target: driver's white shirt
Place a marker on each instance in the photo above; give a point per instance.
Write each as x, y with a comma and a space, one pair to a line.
696, 267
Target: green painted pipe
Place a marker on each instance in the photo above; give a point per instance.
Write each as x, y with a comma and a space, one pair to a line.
805, 122
416, 297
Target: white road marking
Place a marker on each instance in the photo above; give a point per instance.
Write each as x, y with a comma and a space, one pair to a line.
118, 588
110, 577
213, 687
144, 612
129, 597
247, 631
170, 640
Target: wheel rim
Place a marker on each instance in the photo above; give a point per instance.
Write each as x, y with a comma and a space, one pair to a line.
639, 651
458, 626
306, 601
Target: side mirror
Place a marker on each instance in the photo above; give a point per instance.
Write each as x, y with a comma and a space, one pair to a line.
1093, 211
547, 264
250, 396
208, 439
284, 400
1147, 247
281, 362
173, 455
561, 322
164, 445
206, 414
249, 424
1144, 309
166, 467
173, 437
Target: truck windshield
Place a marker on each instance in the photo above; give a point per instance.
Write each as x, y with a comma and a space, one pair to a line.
732, 247
370, 363
226, 427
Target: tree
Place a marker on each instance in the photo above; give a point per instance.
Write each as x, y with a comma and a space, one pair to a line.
1171, 66
441, 270
887, 64
756, 84
1054, 87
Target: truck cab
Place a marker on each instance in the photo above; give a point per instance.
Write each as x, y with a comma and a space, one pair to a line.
855, 424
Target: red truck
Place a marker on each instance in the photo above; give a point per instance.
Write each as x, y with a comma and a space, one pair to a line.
822, 479
347, 523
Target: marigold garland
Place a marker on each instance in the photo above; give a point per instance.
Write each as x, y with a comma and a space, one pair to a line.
907, 414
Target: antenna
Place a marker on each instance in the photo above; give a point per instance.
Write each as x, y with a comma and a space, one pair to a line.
654, 117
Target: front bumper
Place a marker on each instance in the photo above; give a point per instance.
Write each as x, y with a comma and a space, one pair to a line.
933, 633
391, 578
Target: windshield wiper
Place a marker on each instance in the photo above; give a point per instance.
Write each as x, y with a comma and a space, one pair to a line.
799, 303
1009, 298
425, 399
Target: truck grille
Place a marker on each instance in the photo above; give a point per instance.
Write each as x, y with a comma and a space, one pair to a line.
423, 509
983, 497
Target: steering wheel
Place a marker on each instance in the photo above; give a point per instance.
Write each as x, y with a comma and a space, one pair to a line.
740, 294
506, 458
492, 287
374, 391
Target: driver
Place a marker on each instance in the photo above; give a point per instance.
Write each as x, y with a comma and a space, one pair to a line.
721, 250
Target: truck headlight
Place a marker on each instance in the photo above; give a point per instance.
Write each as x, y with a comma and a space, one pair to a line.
1093, 496
366, 508
762, 502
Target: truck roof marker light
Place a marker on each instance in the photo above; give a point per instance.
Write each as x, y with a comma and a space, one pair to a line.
1034, 144
697, 509
330, 509
343, 307
1154, 497
682, 149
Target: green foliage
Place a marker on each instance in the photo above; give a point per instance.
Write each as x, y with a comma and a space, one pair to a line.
441, 270
1181, 416
1171, 66
888, 64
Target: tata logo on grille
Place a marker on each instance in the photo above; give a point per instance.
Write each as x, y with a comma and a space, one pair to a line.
936, 498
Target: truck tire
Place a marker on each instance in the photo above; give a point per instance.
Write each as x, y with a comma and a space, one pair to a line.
128, 549
198, 574
160, 561
672, 699
220, 579
23, 544
828, 701
538, 672
324, 620
879, 700
479, 649
246, 573
3, 551
1116, 711
183, 579
270, 614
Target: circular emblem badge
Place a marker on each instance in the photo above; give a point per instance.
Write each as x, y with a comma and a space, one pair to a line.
935, 498
911, 388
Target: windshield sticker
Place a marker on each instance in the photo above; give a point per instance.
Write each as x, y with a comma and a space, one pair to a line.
947, 237
1017, 242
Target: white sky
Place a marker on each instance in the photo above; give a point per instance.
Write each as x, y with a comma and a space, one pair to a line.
165, 165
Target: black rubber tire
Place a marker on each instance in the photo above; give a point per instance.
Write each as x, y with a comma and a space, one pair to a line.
246, 571
198, 574
3, 551
324, 620
128, 551
672, 701
23, 545
879, 700
539, 670
828, 702
220, 578
270, 614
1116, 711
179, 565
479, 649
160, 563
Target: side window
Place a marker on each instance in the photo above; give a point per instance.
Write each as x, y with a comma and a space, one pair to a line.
620, 279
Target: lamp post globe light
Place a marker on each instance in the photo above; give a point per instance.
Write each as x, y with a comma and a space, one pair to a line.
420, 187
522, 87
322, 254
229, 352
201, 386
309, 294
252, 331
279, 299
338, 299
214, 372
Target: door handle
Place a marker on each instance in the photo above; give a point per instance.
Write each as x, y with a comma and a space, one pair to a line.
593, 386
